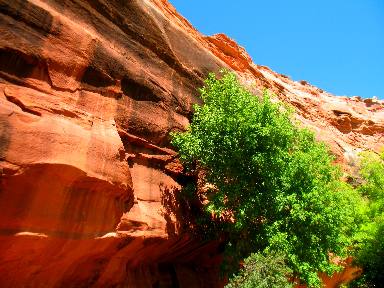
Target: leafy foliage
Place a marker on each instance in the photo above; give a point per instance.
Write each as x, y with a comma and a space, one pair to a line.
370, 253
262, 270
372, 171
272, 186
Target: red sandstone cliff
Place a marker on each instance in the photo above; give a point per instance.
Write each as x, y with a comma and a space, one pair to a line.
89, 91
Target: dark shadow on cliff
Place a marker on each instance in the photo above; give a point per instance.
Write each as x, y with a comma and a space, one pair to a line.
185, 214
178, 210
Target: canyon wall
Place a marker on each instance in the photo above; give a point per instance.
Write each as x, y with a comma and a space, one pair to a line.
89, 92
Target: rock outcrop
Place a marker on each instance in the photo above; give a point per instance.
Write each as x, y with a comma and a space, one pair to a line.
89, 91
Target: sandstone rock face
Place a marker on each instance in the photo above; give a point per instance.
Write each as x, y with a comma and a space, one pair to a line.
89, 91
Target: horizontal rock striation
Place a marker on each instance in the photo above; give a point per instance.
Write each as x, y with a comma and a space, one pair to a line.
89, 92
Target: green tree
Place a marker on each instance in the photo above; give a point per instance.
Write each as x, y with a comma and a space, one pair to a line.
370, 251
272, 186
262, 270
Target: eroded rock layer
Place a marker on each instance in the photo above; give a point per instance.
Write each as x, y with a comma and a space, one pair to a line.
89, 91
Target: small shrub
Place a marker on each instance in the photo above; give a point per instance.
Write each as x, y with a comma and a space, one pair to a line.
262, 270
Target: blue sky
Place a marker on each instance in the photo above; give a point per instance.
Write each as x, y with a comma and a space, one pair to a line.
337, 45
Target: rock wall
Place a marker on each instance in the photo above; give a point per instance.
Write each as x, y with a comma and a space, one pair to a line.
89, 91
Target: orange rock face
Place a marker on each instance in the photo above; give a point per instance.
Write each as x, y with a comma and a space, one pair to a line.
89, 91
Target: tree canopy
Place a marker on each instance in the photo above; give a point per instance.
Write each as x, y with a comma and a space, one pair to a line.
369, 252
273, 187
